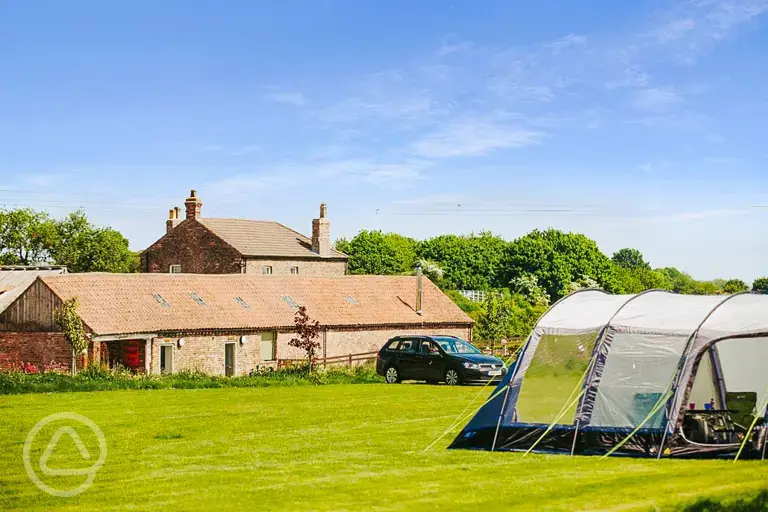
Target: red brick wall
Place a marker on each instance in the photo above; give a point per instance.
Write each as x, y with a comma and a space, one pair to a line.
38, 348
196, 249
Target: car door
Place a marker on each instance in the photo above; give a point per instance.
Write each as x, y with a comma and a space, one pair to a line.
429, 361
407, 358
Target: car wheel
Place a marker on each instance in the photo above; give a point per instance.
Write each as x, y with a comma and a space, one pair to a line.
452, 377
392, 376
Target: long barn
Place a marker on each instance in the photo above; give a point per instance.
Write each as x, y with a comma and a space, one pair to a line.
220, 324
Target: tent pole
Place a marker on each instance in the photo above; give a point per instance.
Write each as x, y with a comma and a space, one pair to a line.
575, 436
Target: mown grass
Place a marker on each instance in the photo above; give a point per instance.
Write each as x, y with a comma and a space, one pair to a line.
341, 447
95, 378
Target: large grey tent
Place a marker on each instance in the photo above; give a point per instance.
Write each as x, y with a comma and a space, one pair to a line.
652, 374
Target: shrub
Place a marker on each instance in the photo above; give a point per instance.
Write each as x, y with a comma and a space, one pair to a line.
99, 378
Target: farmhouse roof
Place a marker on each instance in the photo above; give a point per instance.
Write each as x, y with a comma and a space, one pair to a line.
258, 238
141, 303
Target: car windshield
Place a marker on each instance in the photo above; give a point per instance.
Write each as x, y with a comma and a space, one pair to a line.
456, 346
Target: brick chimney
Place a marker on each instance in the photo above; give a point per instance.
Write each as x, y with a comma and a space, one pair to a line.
321, 233
193, 204
173, 219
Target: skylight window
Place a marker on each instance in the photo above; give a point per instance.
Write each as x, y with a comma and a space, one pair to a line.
351, 300
244, 304
290, 302
159, 298
197, 298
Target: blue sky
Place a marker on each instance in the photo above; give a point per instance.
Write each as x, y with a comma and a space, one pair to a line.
637, 123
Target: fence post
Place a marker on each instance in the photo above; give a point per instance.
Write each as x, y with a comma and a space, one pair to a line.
350, 360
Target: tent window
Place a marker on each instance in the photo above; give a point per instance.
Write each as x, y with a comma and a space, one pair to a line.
637, 373
557, 369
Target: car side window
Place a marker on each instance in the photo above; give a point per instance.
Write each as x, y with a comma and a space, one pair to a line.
407, 346
428, 347
393, 345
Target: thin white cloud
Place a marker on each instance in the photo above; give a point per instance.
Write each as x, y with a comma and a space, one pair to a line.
569, 41
673, 30
475, 137
656, 99
288, 98
245, 150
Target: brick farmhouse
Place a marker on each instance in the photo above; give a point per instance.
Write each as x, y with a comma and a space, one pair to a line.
221, 324
233, 246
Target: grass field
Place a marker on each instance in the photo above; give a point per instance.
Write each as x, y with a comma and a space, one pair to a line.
337, 447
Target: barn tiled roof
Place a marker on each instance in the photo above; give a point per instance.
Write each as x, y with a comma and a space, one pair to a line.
149, 303
263, 238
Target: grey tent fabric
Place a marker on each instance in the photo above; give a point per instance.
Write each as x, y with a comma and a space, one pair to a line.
597, 363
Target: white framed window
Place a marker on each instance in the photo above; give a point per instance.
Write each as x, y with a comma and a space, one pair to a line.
230, 359
294, 270
266, 269
175, 269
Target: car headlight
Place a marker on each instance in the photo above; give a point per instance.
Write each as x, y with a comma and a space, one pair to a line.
471, 366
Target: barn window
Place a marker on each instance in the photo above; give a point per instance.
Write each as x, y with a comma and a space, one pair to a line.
294, 270
266, 269
290, 302
175, 269
244, 304
197, 298
159, 298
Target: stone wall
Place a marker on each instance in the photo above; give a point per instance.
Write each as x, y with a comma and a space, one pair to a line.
306, 267
195, 248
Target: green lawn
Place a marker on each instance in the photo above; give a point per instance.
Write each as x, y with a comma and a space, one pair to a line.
336, 447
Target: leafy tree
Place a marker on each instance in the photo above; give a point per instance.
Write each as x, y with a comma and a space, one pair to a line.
760, 285
631, 259
83, 247
432, 270
641, 279
307, 332
26, 237
474, 262
68, 320
494, 324
558, 259
735, 286
374, 252
527, 285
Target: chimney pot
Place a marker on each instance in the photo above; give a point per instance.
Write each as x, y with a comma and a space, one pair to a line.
173, 220
193, 205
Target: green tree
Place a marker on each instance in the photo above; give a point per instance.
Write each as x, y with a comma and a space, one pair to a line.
495, 322
641, 279
374, 252
760, 285
469, 262
83, 247
631, 259
735, 286
26, 236
527, 285
558, 259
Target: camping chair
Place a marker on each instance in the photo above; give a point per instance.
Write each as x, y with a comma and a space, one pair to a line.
742, 405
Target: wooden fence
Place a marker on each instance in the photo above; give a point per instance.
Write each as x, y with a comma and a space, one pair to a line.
348, 359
